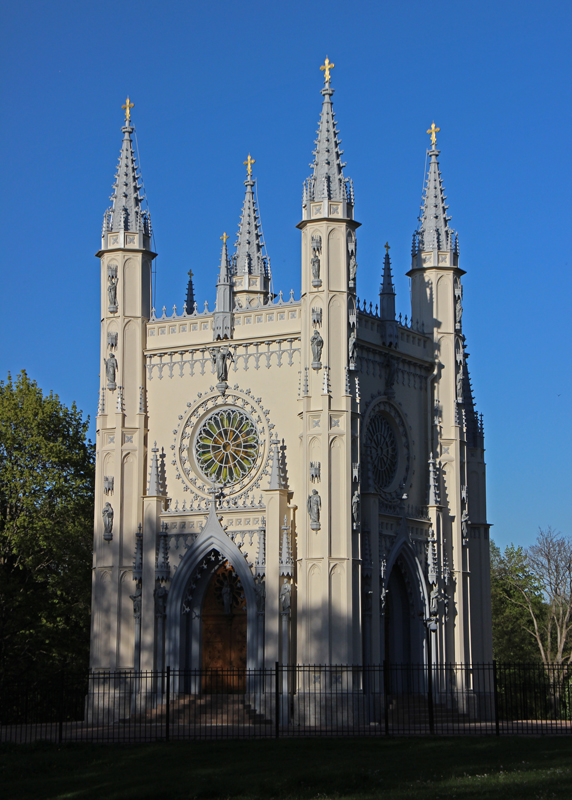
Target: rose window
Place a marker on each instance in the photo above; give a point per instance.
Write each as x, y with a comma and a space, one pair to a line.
383, 451
226, 446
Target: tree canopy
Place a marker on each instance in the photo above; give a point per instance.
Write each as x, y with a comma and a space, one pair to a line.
46, 531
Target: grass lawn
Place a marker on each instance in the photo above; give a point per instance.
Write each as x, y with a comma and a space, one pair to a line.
344, 769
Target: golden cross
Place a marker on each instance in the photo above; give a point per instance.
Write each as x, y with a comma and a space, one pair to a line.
190, 273
387, 247
127, 106
433, 131
249, 162
225, 236
326, 67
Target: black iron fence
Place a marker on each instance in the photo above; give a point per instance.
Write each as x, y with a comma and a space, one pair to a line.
289, 701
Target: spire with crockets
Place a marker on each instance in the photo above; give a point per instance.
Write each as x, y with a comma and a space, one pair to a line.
126, 213
250, 265
434, 232
222, 322
327, 181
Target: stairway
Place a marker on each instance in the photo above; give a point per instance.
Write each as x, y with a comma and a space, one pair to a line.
207, 709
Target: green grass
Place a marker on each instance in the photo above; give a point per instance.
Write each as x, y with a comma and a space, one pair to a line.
302, 769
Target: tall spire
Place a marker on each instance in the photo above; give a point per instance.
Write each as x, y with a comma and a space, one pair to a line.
222, 323
434, 232
190, 298
387, 290
249, 258
327, 181
126, 213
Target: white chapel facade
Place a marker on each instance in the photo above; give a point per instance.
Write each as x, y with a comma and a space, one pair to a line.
287, 480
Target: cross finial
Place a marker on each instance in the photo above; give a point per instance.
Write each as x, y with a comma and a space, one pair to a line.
433, 131
225, 235
127, 106
387, 248
190, 273
326, 67
249, 162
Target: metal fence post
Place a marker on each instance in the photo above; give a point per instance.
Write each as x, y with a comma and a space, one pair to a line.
61, 709
277, 699
386, 697
496, 698
168, 704
430, 681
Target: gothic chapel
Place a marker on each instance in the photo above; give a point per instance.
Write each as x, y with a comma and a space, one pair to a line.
287, 480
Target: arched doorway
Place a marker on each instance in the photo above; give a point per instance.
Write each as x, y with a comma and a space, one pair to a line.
224, 633
397, 620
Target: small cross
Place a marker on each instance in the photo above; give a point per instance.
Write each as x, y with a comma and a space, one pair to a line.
225, 236
127, 106
387, 248
433, 131
249, 162
190, 273
326, 67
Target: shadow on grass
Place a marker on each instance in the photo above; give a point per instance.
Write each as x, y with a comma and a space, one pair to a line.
302, 769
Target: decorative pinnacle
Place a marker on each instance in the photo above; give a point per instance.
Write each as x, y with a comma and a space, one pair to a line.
433, 131
225, 236
127, 106
387, 247
248, 163
326, 67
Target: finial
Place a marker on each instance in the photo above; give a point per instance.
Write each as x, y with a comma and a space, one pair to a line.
225, 235
326, 67
190, 273
433, 131
387, 248
248, 163
127, 106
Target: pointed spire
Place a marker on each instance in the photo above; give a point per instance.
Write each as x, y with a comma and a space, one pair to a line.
387, 290
222, 323
433, 499
190, 298
327, 181
434, 232
278, 475
250, 258
474, 432
326, 388
126, 213
154, 488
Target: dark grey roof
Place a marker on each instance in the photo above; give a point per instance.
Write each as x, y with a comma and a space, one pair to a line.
434, 232
327, 181
126, 213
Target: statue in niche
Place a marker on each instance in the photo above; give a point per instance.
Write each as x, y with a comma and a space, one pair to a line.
458, 311
382, 597
221, 359
465, 527
136, 599
161, 594
460, 385
434, 601
260, 592
315, 262
317, 344
314, 506
110, 370
353, 268
226, 593
285, 596
352, 345
107, 514
112, 290
356, 499
390, 373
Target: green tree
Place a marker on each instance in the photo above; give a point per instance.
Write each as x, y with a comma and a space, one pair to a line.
46, 531
513, 638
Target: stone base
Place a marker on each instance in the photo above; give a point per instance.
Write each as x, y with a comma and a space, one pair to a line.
316, 283
316, 365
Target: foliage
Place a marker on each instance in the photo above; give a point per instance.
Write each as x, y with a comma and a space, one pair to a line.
512, 639
46, 529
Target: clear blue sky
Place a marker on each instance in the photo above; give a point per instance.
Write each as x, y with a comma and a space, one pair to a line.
213, 81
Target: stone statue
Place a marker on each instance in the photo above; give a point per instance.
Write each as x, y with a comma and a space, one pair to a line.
226, 597
136, 598
465, 526
458, 311
390, 372
382, 598
460, 385
260, 592
110, 368
315, 262
107, 514
285, 595
353, 268
112, 289
316, 343
221, 358
161, 594
352, 345
355, 506
434, 601
314, 505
